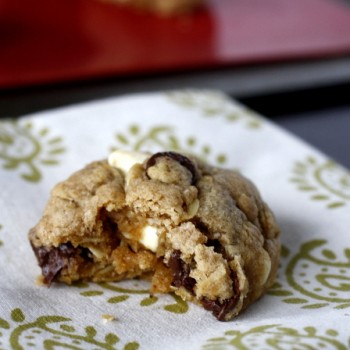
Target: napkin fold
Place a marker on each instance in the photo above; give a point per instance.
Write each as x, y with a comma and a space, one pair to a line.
309, 304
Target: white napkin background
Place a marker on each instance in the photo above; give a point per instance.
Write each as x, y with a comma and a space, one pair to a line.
309, 194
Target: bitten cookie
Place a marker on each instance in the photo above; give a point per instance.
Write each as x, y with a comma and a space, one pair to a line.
200, 231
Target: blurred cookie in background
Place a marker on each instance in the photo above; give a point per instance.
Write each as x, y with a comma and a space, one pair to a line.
162, 7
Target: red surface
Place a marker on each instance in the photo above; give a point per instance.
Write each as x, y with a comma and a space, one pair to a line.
53, 41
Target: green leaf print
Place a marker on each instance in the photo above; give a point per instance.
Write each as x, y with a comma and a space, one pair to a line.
26, 149
4, 324
213, 104
164, 137
118, 299
135, 292
276, 337
53, 332
180, 307
149, 301
325, 181
314, 277
17, 315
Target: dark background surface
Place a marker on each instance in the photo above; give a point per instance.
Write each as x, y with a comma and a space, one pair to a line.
320, 116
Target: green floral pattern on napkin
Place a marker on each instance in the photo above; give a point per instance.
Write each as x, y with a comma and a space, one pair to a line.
214, 104
324, 181
54, 332
164, 137
26, 149
279, 338
115, 293
314, 277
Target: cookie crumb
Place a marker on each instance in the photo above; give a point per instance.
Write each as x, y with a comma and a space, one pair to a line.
106, 318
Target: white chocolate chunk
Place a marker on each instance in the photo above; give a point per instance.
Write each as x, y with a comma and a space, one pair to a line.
125, 160
149, 238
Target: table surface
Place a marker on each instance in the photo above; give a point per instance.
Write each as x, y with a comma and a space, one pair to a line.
319, 116
328, 130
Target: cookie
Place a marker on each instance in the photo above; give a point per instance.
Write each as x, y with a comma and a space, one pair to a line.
200, 231
162, 7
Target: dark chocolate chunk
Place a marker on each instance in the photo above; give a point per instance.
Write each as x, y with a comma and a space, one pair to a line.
215, 243
184, 161
201, 226
86, 254
221, 309
218, 248
181, 272
53, 260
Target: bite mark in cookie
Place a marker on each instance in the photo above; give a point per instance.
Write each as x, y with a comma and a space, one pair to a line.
200, 231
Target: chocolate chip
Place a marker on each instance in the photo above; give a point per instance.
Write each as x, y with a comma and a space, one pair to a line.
221, 309
215, 243
201, 226
181, 272
86, 254
218, 248
184, 161
53, 260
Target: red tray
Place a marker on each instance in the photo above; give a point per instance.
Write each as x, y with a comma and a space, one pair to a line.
54, 41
